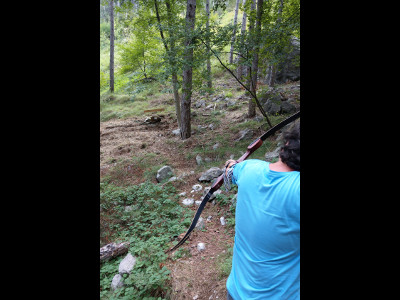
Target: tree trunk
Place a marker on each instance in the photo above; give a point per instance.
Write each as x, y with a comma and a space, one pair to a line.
252, 106
112, 46
271, 82
240, 66
171, 56
113, 250
209, 81
234, 31
187, 70
173, 65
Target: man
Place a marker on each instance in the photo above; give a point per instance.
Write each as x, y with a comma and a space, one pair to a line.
266, 252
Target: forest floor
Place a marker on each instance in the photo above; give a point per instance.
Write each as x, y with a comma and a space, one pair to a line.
196, 275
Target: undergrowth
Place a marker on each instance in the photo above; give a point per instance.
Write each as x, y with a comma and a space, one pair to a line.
153, 218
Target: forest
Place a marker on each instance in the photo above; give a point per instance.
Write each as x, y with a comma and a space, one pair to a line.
181, 83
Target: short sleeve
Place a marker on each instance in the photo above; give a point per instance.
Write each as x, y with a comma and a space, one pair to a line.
237, 171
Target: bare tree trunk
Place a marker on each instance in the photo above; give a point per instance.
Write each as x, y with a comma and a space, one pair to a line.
209, 81
187, 70
234, 31
112, 46
240, 66
252, 106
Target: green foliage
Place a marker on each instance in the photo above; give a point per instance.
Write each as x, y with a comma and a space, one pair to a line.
140, 51
156, 216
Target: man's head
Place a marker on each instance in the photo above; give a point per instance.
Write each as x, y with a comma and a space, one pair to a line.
290, 152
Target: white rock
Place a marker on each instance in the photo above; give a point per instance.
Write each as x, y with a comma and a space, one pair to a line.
197, 187
197, 202
201, 246
200, 223
222, 219
127, 264
117, 282
188, 201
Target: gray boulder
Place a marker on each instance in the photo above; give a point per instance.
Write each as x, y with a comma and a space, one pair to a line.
273, 154
127, 264
287, 107
210, 174
164, 173
117, 282
245, 135
200, 223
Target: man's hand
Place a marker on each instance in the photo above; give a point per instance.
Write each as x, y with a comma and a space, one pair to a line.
228, 164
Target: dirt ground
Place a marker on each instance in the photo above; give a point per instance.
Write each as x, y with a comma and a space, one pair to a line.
193, 276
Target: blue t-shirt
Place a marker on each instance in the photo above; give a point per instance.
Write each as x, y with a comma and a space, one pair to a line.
266, 252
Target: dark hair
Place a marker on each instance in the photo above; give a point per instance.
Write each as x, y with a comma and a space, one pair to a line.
290, 151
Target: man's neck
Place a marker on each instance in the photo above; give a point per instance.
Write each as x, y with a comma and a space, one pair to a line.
279, 166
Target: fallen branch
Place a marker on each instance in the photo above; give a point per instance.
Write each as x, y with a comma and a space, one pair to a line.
113, 250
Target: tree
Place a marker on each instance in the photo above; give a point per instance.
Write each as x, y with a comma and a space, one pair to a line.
140, 52
257, 34
234, 31
112, 46
187, 70
242, 35
252, 107
209, 80
171, 54
272, 68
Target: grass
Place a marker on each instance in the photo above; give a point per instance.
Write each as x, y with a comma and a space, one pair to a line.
137, 169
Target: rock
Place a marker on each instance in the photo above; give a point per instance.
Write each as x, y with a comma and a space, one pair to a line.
230, 103
210, 174
152, 120
127, 264
117, 282
164, 173
245, 134
199, 160
207, 189
198, 202
200, 103
222, 220
211, 126
287, 107
271, 155
201, 246
209, 218
182, 194
176, 132
216, 146
128, 208
188, 201
197, 187
200, 223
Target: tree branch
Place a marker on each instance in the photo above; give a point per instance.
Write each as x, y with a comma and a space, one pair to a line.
251, 93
